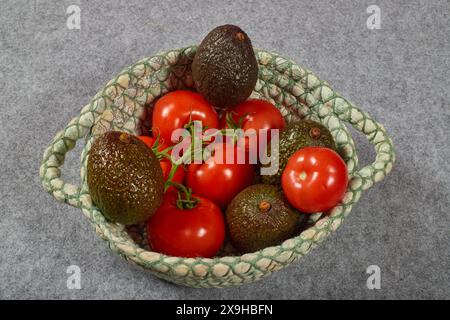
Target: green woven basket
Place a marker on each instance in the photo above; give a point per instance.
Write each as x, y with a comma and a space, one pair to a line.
123, 104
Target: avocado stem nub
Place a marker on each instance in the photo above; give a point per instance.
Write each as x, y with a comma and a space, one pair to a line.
264, 206
240, 36
314, 133
124, 137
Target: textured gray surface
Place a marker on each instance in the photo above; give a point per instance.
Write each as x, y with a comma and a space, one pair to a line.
399, 74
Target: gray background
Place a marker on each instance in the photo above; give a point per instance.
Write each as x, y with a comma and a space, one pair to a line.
399, 74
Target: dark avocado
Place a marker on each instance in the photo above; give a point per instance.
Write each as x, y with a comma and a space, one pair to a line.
224, 68
306, 133
124, 177
260, 217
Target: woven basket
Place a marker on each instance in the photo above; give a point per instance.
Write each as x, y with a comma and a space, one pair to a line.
124, 103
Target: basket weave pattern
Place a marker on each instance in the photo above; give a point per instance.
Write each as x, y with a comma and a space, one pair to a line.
124, 103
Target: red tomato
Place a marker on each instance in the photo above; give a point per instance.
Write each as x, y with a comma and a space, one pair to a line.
189, 233
165, 163
175, 109
315, 179
217, 180
256, 114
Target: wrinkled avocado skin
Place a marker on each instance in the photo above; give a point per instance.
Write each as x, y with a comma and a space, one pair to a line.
294, 137
224, 68
124, 178
250, 229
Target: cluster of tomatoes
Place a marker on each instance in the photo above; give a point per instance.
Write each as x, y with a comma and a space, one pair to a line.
190, 221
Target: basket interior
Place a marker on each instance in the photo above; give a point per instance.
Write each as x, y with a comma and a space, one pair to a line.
129, 98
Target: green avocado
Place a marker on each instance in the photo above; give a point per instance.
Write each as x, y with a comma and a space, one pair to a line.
306, 133
260, 217
124, 178
224, 68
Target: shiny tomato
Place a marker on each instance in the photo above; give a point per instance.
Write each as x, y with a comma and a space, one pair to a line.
175, 109
217, 179
189, 233
165, 163
314, 179
254, 114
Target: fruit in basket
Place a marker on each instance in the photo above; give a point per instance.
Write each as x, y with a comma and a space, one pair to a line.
315, 179
176, 109
221, 176
259, 217
254, 114
190, 226
224, 68
124, 178
305, 133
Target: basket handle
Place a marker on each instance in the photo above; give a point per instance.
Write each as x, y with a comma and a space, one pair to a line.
376, 134
54, 156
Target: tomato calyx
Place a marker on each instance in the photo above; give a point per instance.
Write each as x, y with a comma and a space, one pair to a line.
156, 148
231, 123
199, 141
185, 200
236, 126
192, 132
303, 175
